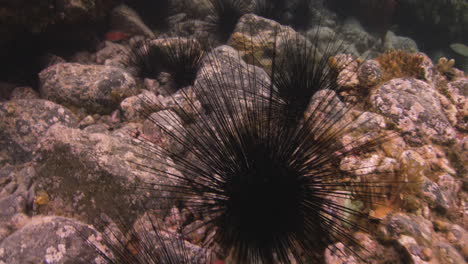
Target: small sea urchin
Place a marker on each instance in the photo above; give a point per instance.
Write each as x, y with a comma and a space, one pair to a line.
180, 57
224, 15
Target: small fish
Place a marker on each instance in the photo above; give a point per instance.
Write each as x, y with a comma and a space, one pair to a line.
460, 49
116, 35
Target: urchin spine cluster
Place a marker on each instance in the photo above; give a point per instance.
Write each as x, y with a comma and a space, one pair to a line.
269, 183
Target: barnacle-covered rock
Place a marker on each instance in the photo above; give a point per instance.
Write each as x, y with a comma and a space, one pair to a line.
98, 89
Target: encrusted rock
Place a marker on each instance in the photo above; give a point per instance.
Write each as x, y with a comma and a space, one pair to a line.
98, 89
112, 54
353, 32
168, 123
23, 92
369, 73
448, 254
50, 240
136, 107
221, 70
24, 122
414, 107
458, 92
433, 194
16, 195
5, 90
347, 66
89, 174
394, 42
368, 249
412, 249
415, 226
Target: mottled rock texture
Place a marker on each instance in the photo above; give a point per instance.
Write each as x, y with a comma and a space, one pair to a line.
96, 88
16, 196
413, 105
86, 175
49, 239
24, 122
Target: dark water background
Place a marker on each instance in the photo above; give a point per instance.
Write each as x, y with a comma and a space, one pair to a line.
433, 24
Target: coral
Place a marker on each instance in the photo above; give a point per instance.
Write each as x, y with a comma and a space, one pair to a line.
399, 63
445, 66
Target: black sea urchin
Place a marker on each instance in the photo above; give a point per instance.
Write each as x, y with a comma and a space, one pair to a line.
224, 15
267, 190
180, 57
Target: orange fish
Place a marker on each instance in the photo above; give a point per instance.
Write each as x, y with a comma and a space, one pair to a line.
116, 35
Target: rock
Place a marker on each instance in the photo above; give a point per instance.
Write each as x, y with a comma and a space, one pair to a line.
98, 89
432, 193
87, 121
449, 187
347, 66
369, 73
416, 227
152, 85
353, 32
24, 92
97, 128
251, 33
142, 105
83, 57
50, 239
335, 254
112, 54
320, 33
412, 249
24, 122
448, 254
458, 236
87, 175
369, 249
220, 71
414, 107
19, 14
16, 195
458, 93
185, 103
168, 123
5, 90
125, 19
394, 42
